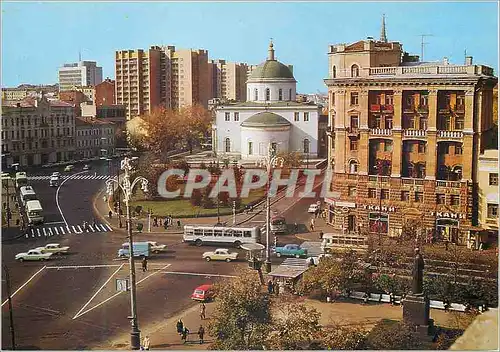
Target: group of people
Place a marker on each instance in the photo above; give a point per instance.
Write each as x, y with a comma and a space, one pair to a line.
183, 331
273, 287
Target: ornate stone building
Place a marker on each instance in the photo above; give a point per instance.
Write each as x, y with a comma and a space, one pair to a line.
405, 138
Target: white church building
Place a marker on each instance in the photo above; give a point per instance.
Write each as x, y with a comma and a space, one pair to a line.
269, 117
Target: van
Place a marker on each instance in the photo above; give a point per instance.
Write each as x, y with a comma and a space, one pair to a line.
141, 249
27, 193
21, 179
54, 181
34, 211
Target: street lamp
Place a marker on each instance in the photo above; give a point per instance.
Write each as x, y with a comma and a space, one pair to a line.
126, 187
270, 161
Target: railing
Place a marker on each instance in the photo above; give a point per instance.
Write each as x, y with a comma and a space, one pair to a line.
352, 131
383, 71
418, 70
388, 108
352, 176
375, 107
381, 132
412, 181
452, 69
426, 70
450, 134
450, 184
460, 108
415, 133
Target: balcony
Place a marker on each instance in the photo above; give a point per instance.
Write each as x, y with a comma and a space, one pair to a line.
380, 132
375, 108
444, 110
449, 184
388, 108
408, 109
460, 109
423, 109
407, 181
352, 131
451, 134
415, 133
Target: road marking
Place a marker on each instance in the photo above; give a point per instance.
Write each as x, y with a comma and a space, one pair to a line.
109, 227
118, 293
38, 232
73, 229
79, 229
195, 274
92, 228
27, 282
97, 292
54, 222
55, 229
57, 195
69, 230
62, 231
84, 266
50, 232
44, 233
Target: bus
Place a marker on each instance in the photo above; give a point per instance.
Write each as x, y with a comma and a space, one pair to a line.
278, 225
21, 179
212, 234
332, 242
34, 211
27, 193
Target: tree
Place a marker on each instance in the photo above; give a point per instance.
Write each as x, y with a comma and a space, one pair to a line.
291, 159
242, 313
343, 337
196, 197
389, 335
208, 202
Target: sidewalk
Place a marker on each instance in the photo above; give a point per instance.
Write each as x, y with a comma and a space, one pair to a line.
13, 231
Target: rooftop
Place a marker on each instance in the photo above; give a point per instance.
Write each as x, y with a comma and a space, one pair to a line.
29, 102
266, 119
82, 121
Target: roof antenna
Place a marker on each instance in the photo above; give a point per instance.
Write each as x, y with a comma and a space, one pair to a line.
79, 55
383, 37
465, 56
422, 44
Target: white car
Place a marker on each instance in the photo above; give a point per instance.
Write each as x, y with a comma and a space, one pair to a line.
33, 254
56, 174
315, 260
86, 167
156, 247
220, 254
313, 208
54, 248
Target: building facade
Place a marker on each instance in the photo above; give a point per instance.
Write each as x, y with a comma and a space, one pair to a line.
488, 192
228, 80
405, 138
81, 74
36, 131
270, 116
94, 138
105, 93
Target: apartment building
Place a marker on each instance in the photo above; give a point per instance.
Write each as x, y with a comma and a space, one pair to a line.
228, 80
105, 93
81, 74
94, 137
37, 131
488, 195
405, 139
26, 90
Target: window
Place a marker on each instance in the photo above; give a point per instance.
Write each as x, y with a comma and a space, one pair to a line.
354, 71
458, 150
454, 200
419, 197
227, 145
227, 116
389, 99
256, 94
445, 148
493, 179
421, 148
354, 98
405, 196
236, 116
459, 123
334, 72
352, 191
280, 94
296, 116
250, 148
372, 193
424, 100
387, 146
332, 99
423, 124
290, 93
353, 167
378, 222
353, 144
306, 146
388, 123
306, 116
268, 94
354, 122
492, 210
460, 100
384, 194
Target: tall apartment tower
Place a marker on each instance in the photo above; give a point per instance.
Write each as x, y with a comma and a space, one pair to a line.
405, 138
80, 74
228, 80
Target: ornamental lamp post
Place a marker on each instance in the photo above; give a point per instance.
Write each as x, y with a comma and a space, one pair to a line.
127, 187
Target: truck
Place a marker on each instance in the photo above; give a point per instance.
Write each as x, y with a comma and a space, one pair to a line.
34, 211
290, 250
141, 249
21, 179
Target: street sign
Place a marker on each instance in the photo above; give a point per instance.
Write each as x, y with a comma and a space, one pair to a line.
122, 285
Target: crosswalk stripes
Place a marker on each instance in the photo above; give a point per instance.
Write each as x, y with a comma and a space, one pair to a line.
77, 177
63, 230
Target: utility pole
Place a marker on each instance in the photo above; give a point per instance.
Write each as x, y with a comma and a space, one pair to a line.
149, 220
422, 45
234, 212
11, 316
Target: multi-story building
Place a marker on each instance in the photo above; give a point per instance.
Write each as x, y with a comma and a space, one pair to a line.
81, 74
94, 137
228, 80
488, 195
26, 90
405, 139
37, 131
105, 93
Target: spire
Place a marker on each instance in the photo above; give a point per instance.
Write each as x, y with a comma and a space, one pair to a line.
271, 50
383, 37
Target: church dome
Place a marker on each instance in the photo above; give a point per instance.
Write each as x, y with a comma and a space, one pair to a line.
271, 68
266, 119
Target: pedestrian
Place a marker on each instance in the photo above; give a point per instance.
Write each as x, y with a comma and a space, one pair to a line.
202, 311
146, 343
446, 242
201, 333
365, 298
144, 264
17, 222
110, 214
316, 213
270, 287
321, 235
312, 224
296, 228
178, 223
180, 327
185, 334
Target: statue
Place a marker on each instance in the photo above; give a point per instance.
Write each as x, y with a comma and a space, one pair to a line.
418, 273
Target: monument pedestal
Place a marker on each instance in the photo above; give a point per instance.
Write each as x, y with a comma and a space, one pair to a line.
416, 313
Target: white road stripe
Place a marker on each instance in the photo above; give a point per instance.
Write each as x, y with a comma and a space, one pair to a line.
90, 226
74, 230
67, 227
109, 227
19, 289
62, 231
79, 229
103, 228
44, 233
84, 266
56, 231
195, 274
38, 231
50, 231
27, 236
33, 232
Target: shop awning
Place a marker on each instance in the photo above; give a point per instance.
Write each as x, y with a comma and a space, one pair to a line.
288, 272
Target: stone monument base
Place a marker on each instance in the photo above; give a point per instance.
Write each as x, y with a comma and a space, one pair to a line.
416, 313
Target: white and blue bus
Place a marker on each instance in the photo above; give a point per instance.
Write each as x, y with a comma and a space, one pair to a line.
213, 234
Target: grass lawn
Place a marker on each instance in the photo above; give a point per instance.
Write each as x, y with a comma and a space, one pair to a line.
183, 207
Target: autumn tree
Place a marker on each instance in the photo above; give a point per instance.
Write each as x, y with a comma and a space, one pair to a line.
390, 335
291, 159
336, 336
196, 197
242, 313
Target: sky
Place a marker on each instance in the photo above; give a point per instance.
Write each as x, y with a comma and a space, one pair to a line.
39, 37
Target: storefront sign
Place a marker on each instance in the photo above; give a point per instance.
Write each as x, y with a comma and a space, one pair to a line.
345, 204
441, 214
377, 208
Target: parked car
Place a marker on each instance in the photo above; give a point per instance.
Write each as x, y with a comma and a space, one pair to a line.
33, 254
290, 250
316, 260
156, 247
69, 168
220, 254
203, 293
54, 248
313, 208
86, 167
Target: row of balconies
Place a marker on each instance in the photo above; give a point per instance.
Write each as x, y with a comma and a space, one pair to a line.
353, 131
412, 108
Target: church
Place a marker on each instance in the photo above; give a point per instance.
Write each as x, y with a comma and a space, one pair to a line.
270, 117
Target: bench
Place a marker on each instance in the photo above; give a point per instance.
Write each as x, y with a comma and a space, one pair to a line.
397, 299
385, 298
458, 307
375, 297
436, 304
357, 295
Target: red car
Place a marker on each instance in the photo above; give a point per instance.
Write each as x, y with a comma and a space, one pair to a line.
203, 293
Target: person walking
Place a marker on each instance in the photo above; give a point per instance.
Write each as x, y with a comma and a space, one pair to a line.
269, 287
202, 311
296, 227
185, 334
312, 224
180, 327
144, 264
146, 344
321, 235
110, 214
201, 333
